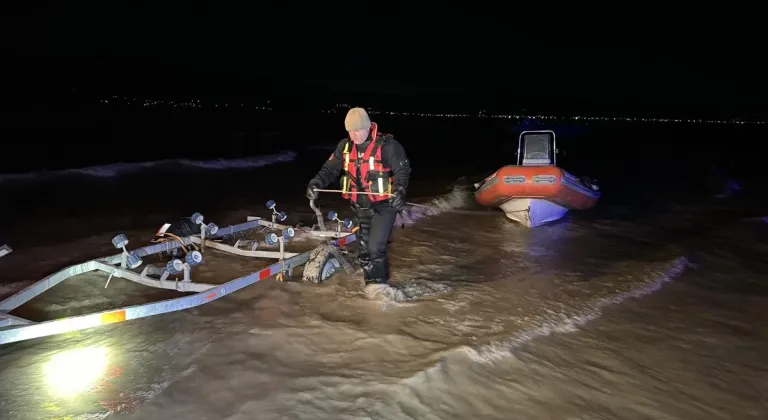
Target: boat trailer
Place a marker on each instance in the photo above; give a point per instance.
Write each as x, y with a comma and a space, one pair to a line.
320, 263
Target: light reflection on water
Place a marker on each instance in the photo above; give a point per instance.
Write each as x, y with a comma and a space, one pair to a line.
74, 371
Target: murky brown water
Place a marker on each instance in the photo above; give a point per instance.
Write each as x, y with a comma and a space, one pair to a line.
581, 319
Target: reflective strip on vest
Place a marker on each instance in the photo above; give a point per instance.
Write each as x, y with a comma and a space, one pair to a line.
345, 182
374, 164
371, 168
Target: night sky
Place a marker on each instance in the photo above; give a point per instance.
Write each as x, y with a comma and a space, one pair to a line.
246, 51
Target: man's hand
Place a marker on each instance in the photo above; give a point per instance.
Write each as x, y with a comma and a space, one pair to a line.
311, 193
398, 198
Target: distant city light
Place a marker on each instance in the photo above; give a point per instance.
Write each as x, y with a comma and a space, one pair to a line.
343, 107
189, 104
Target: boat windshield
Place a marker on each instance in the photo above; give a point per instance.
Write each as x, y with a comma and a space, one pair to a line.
537, 150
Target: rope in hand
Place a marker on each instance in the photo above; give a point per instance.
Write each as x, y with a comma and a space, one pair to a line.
410, 203
366, 193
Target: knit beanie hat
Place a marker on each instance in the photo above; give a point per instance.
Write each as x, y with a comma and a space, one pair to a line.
357, 119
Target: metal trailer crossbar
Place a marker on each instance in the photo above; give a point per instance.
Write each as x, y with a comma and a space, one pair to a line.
14, 329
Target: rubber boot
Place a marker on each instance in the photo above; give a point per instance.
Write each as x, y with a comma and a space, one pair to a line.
377, 272
373, 276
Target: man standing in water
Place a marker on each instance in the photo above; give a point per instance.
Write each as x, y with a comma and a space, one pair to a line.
374, 176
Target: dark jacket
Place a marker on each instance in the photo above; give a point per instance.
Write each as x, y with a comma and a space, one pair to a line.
392, 156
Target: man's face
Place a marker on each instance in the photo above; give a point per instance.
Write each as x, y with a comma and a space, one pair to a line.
358, 136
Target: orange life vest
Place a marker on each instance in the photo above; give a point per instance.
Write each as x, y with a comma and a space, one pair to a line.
366, 170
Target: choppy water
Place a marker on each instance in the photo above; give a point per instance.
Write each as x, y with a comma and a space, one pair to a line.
609, 315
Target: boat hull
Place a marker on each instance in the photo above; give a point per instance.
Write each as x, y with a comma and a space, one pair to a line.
534, 195
532, 212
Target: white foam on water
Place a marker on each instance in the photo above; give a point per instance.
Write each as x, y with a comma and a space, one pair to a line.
458, 198
488, 354
388, 295
116, 169
404, 293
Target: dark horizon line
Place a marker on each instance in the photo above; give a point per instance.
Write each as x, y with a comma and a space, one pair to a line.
461, 105
422, 106
518, 112
64, 86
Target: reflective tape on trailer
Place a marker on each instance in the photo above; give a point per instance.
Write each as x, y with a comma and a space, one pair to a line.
352, 237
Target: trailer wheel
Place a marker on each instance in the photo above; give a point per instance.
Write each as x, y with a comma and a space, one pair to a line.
324, 262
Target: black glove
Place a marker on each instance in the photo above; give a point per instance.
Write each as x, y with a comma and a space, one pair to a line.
398, 197
311, 193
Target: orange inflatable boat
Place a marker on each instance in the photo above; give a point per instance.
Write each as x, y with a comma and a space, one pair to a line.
536, 191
